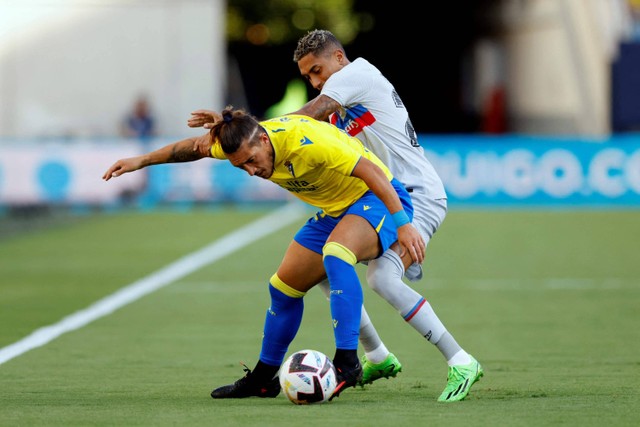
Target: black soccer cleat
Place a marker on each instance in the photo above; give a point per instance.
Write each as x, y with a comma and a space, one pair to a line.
348, 376
248, 386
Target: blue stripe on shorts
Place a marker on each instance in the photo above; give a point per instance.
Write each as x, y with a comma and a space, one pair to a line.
313, 235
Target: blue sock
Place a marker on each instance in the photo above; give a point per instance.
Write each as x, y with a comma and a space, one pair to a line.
345, 300
281, 326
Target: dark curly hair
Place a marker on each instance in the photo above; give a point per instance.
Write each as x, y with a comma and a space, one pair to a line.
316, 42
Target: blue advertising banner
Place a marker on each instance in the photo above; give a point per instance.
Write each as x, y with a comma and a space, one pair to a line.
476, 170
520, 170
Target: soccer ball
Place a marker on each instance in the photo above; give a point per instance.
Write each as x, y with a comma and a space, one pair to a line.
308, 376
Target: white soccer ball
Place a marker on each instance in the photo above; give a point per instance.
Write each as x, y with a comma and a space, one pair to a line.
308, 376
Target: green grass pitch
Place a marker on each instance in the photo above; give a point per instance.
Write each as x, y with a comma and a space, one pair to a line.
547, 301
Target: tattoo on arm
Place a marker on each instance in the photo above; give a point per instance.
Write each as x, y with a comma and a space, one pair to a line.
181, 153
320, 108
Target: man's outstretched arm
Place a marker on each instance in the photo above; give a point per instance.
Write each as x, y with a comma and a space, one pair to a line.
178, 152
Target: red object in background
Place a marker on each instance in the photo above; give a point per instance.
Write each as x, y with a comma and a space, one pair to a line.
494, 117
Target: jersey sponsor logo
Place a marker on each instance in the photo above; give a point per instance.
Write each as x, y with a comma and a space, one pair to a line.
298, 186
305, 141
278, 130
355, 120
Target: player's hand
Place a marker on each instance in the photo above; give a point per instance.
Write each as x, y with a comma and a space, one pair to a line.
410, 240
123, 166
203, 118
202, 145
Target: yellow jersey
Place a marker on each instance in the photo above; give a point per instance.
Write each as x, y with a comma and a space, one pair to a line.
314, 161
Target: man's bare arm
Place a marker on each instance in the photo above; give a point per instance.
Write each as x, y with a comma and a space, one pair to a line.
320, 108
178, 152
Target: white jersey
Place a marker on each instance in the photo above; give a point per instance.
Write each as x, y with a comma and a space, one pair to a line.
373, 112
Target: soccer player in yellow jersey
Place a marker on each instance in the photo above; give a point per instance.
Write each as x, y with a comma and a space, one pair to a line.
363, 211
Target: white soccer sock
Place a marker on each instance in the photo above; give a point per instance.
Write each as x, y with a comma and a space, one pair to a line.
460, 358
374, 348
384, 276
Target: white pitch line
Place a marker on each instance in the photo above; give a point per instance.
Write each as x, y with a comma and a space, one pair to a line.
268, 224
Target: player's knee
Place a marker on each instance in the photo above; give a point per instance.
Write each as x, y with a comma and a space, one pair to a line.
278, 286
339, 251
384, 271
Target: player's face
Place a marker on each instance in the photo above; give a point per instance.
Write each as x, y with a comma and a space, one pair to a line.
317, 69
255, 159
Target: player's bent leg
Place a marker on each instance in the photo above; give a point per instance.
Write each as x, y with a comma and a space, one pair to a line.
369, 338
346, 304
301, 268
282, 322
377, 362
383, 276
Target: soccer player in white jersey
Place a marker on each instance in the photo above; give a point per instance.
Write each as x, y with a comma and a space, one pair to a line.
357, 98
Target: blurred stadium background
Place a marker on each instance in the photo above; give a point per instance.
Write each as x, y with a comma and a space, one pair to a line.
516, 102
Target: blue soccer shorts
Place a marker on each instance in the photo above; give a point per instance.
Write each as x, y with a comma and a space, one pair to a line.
313, 235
